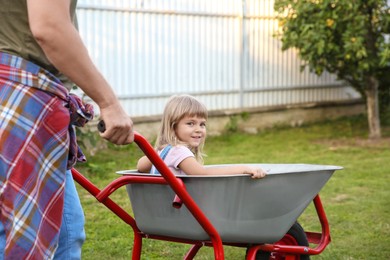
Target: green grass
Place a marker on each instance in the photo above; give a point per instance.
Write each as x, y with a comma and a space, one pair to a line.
356, 199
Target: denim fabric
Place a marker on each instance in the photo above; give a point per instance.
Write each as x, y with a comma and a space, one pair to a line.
72, 235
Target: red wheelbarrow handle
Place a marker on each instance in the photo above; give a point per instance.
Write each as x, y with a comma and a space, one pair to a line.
175, 183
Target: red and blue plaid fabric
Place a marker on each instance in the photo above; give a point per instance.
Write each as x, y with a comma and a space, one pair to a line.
80, 114
34, 148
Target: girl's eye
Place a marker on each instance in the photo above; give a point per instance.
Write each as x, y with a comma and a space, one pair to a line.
190, 123
203, 124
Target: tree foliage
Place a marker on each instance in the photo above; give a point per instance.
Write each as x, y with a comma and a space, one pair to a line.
349, 38
345, 37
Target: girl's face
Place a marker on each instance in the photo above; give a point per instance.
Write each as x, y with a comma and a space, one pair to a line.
191, 130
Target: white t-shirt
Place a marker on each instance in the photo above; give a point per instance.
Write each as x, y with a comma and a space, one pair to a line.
175, 156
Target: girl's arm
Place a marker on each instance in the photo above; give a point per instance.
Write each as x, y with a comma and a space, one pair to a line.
192, 167
144, 164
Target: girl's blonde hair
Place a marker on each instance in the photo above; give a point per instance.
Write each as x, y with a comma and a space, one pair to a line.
177, 108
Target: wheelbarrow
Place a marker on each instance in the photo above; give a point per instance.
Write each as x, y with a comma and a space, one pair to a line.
234, 210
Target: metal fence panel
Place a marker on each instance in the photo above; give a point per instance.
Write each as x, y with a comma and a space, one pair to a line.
222, 51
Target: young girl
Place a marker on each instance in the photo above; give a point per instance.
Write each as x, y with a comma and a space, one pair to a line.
181, 139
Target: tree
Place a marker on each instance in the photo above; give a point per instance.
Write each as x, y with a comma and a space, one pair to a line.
349, 38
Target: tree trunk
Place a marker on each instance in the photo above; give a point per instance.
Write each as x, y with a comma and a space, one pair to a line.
372, 102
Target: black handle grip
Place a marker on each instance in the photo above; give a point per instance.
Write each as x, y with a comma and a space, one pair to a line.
101, 126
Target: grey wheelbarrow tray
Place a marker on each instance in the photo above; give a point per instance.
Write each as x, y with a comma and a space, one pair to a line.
215, 210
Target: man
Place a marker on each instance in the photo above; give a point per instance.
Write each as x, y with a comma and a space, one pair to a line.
41, 57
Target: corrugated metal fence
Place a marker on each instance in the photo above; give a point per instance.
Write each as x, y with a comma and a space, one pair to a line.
222, 51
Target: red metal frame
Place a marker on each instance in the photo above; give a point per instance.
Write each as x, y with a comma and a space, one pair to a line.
168, 178
320, 239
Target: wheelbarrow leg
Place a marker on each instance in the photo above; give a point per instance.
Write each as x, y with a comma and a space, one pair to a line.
192, 252
251, 254
137, 246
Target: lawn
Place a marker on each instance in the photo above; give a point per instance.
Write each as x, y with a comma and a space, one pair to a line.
356, 199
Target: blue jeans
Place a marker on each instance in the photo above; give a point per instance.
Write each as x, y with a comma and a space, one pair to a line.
72, 235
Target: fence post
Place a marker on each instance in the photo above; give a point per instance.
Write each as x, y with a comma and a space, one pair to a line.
243, 50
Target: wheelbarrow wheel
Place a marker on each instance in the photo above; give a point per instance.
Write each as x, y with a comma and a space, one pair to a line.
295, 236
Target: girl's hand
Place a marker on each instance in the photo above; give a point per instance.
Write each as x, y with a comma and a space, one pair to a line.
257, 173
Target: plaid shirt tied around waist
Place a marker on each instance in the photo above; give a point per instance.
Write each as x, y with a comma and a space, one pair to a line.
37, 145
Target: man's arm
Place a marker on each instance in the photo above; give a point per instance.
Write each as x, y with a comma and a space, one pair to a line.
51, 25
